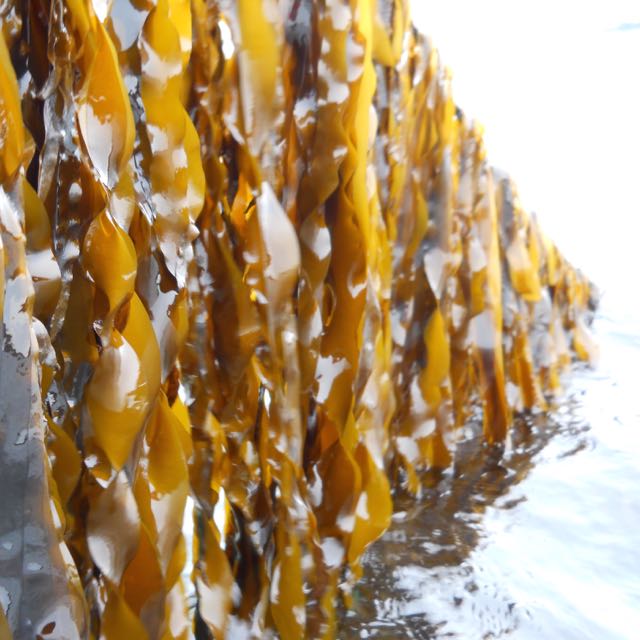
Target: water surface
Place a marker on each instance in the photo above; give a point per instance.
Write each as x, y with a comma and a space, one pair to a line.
541, 543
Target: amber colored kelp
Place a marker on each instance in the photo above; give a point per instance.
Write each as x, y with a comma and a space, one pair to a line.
252, 253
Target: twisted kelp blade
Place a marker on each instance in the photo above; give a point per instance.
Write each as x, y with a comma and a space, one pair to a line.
40, 589
278, 280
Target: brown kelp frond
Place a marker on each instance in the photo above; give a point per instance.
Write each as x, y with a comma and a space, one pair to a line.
252, 253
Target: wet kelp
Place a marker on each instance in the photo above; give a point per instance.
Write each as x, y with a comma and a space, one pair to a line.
252, 253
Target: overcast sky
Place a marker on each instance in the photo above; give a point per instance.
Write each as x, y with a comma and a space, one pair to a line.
556, 84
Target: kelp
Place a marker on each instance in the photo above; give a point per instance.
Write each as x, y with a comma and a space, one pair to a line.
254, 254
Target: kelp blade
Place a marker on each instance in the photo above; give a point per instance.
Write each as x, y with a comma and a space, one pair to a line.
253, 254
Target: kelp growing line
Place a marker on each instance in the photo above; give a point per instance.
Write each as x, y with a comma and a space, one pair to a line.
276, 277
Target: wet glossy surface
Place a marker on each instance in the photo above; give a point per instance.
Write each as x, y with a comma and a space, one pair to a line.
275, 274
539, 544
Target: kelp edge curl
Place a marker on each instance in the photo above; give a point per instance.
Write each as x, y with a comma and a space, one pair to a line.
252, 253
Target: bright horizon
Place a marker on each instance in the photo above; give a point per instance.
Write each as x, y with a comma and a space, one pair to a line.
555, 86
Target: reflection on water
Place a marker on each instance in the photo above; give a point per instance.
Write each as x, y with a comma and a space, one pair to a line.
540, 543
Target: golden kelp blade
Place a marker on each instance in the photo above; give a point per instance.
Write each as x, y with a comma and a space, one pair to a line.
40, 588
252, 253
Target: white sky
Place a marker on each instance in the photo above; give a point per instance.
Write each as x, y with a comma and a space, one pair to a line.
557, 89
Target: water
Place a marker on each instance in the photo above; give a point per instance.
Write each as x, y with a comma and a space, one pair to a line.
541, 543
544, 542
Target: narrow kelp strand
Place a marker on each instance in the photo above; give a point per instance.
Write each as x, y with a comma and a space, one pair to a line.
40, 583
253, 254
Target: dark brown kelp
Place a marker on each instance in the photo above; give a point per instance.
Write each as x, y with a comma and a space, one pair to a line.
252, 253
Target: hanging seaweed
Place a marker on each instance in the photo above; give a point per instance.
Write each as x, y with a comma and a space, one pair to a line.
252, 253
